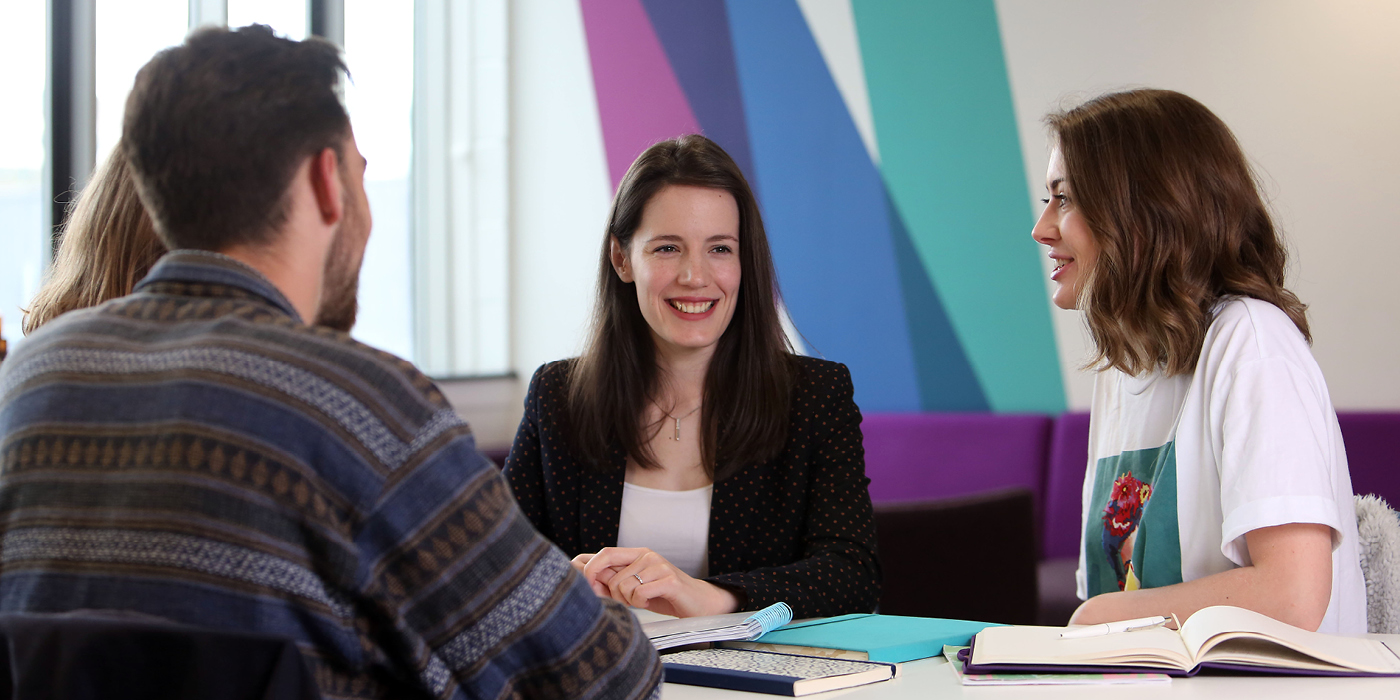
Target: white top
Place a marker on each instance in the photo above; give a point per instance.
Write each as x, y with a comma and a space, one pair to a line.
674, 524
1182, 467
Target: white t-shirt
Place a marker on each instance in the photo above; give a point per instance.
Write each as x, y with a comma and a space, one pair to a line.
674, 524
1180, 468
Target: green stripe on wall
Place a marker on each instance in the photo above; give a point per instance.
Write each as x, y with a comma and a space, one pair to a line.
952, 161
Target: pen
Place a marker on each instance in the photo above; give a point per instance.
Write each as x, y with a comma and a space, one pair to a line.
1141, 623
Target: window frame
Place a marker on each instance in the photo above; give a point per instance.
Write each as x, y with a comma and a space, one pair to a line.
460, 189
459, 193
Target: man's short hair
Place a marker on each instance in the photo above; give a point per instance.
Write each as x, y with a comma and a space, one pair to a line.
216, 127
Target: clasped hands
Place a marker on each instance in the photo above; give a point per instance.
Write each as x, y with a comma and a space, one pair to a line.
641, 578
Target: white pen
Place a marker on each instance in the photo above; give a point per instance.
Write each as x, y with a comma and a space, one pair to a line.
1141, 623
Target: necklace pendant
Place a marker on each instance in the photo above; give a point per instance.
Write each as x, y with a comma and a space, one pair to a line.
678, 430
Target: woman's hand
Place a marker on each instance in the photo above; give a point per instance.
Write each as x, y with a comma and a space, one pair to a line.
642, 578
581, 561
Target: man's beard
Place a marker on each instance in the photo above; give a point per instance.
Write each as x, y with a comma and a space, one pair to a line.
341, 282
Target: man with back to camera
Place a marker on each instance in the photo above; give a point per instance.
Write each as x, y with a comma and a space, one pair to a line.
195, 451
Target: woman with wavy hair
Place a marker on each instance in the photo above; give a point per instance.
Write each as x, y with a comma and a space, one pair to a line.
1216, 471
688, 460
107, 246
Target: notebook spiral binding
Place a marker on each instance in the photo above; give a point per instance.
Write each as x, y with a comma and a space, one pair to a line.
772, 617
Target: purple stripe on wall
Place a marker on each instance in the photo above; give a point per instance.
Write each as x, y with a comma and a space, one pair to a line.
640, 101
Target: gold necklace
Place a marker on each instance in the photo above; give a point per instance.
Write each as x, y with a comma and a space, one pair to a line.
677, 438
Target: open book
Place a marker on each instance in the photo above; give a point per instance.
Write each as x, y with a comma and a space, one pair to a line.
1216, 637
665, 634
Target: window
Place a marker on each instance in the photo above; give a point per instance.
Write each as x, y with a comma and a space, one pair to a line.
379, 53
428, 101
23, 46
460, 179
129, 32
286, 17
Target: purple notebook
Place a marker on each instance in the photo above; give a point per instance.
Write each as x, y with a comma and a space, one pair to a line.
965, 656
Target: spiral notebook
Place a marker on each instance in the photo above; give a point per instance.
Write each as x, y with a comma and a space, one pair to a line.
665, 634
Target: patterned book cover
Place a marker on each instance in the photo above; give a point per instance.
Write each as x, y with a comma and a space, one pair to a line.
767, 672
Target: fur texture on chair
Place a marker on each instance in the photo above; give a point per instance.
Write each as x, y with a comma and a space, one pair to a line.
1379, 529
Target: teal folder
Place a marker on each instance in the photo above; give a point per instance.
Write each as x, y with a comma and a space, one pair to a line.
888, 638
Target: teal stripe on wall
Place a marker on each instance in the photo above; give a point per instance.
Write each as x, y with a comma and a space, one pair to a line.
952, 161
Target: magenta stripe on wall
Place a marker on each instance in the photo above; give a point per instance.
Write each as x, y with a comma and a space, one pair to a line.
640, 101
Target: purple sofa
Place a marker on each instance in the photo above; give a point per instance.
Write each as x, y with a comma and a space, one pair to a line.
1373, 456
928, 456
1064, 485
1373, 453
922, 456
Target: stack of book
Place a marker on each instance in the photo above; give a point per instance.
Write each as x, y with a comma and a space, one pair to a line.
800, 658
762, 652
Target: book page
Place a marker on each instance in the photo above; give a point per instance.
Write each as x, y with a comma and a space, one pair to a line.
1254, 651
662, 628
1158, 647
799, 650
1211, 634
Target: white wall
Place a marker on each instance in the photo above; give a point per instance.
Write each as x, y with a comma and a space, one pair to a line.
1311, 89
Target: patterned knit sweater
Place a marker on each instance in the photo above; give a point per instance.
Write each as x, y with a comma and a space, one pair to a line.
193, 451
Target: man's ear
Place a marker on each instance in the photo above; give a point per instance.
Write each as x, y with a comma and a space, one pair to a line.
619, 260
326, 184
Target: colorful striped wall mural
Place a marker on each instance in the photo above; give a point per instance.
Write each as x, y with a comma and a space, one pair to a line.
881, 140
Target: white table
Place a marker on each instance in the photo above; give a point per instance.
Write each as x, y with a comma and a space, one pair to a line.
934, 678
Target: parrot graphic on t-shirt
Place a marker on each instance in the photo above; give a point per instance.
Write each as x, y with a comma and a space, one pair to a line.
1120, 521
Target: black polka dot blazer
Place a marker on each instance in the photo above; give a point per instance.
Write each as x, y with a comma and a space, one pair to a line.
798, 528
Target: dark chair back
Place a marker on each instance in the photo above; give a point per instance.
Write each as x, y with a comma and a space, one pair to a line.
970, 558
106, 655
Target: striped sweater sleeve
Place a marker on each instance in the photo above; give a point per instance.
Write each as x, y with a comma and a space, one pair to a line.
477, 600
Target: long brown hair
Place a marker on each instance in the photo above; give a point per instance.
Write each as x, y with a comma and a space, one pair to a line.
748, 387
107, 246
1176, 213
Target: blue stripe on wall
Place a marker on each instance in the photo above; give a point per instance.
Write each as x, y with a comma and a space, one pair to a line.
695, 36
824, 204
946, 379
950, 154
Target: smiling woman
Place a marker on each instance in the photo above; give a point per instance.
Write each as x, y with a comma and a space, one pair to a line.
1062, 228
1217, 473
688, 460
685, 265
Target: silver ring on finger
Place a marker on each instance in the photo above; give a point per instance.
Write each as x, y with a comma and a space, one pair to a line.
639, 579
